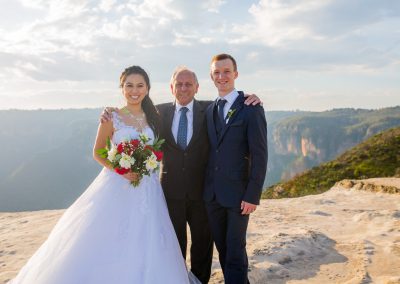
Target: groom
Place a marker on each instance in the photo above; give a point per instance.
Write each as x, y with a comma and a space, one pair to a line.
236, 168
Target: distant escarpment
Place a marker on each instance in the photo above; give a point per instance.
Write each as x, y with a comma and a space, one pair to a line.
378, 156
48, 160
306, 139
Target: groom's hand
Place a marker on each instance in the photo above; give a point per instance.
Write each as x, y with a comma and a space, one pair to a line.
247, 208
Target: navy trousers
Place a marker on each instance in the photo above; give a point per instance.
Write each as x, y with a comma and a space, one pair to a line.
228, 228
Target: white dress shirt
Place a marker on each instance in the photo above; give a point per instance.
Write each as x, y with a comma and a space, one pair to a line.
177, 116
230, 99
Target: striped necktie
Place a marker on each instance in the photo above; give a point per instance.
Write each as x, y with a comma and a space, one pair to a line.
181, 138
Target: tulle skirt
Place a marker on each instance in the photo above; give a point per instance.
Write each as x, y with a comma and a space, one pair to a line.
113, 233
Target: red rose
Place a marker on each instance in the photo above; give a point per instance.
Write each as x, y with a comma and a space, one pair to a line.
159, 155
121, 171
135, 143
120, 148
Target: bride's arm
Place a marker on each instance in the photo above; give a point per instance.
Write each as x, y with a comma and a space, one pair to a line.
104, 132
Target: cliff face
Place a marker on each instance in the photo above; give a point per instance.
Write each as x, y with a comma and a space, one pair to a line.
378, 156
308, 139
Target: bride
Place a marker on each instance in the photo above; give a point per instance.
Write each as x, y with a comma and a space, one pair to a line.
114, 233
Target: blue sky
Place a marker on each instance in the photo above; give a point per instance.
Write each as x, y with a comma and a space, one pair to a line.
303, 54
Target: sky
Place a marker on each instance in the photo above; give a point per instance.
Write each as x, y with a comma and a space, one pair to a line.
294, 54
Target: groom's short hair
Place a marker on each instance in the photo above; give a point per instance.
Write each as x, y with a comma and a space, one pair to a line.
223, 56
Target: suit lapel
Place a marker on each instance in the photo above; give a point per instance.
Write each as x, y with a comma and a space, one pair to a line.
168, 124
212, 133
198, 118
236, 108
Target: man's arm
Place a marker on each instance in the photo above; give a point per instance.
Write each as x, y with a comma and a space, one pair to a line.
257, 140
250, 100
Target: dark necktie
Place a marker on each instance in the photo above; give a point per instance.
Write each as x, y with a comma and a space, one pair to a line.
219, 116
181, 138
221, 104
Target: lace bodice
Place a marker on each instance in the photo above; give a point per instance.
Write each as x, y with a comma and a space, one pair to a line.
126, 132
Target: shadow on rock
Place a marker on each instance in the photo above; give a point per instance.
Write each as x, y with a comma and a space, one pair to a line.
292, 257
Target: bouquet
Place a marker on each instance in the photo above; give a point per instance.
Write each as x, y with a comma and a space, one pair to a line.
134, 155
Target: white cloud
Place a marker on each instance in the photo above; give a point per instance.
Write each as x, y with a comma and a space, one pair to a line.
92, 41
273, 22
59, 9
284, 22
253, 55
213, 5
36, 4
107, 5
155, 9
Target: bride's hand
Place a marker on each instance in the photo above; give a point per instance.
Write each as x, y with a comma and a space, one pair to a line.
131, 176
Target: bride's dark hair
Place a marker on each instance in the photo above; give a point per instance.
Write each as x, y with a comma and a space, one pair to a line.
151, 112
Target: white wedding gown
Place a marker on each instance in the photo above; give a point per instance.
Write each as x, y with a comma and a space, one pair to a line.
112, 234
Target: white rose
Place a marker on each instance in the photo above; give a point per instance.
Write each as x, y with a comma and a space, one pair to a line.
126, 161
151, 162
111, 154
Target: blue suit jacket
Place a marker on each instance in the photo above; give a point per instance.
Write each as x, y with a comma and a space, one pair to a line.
238, 157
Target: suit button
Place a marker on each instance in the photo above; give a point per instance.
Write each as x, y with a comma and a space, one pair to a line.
216, 168
216, 151
185, 154
183, 169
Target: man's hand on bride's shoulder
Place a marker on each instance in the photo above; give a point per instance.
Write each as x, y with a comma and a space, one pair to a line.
106, 114
252, 100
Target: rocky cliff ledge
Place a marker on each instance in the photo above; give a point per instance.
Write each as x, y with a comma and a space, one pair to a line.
341, 236
383, 185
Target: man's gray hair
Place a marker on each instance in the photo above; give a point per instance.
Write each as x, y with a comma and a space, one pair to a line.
180, 69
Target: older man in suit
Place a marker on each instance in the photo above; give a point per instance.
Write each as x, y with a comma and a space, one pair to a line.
236, 168
183, 168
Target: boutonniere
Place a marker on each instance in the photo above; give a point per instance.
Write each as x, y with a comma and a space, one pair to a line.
230, 113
